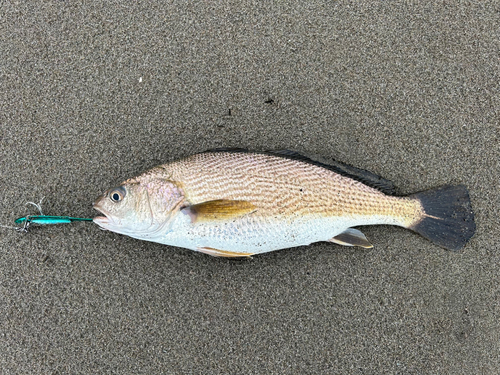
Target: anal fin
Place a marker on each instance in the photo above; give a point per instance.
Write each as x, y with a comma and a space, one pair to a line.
223, 253
352, 237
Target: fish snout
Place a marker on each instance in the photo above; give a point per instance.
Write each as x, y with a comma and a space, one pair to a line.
102, 221
99, 199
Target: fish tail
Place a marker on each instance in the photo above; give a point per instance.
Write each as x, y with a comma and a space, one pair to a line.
447, 218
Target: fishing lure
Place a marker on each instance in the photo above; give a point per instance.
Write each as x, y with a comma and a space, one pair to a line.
42, 219
46, 220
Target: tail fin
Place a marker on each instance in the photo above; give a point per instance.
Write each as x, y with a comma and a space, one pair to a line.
448, 219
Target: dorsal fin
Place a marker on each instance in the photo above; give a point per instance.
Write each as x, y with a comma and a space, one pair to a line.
361, 175
231, 149
364, 176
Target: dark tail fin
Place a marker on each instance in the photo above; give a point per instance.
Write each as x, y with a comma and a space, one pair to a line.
448, 219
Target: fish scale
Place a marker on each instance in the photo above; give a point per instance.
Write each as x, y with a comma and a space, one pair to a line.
323, 192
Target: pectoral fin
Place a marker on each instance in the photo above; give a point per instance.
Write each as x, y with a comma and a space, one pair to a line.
352, 237
223, 253
221, 209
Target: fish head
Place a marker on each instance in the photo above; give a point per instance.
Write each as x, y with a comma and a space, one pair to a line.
138, 209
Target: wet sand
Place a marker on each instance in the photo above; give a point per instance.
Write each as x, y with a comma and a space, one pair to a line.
91, 95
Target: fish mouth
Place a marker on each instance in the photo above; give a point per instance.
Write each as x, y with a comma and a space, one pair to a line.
102, 221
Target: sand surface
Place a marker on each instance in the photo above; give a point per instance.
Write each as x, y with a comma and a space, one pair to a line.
93, 94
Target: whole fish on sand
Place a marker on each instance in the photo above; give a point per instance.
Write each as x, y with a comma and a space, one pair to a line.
237, 203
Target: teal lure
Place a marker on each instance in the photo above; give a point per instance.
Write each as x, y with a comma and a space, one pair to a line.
47, 220
42, 219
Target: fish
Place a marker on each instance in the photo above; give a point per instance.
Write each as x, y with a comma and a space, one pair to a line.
236, 203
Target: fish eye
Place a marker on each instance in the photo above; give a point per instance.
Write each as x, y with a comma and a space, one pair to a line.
117, 194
